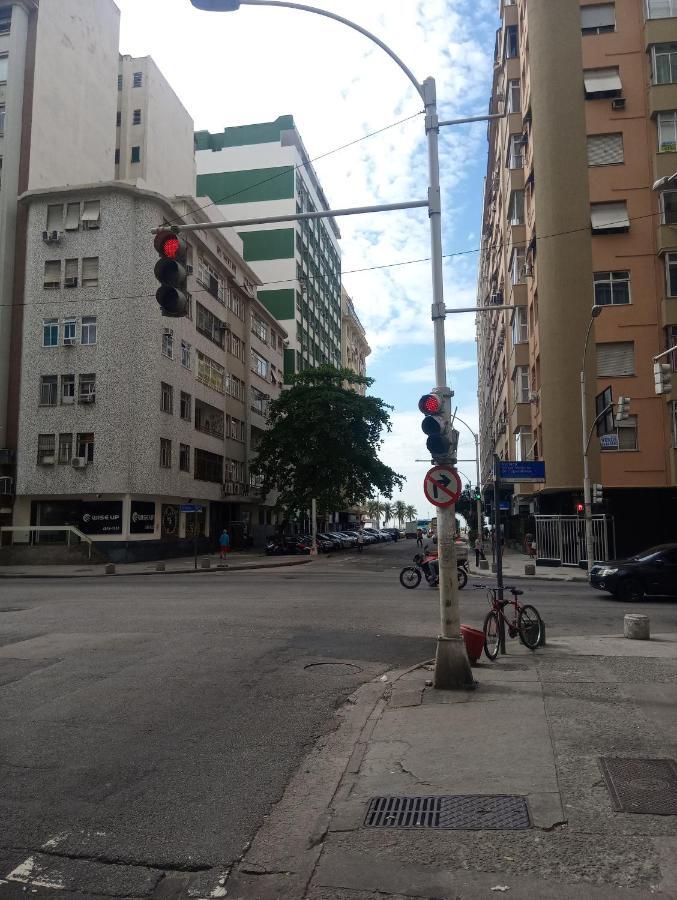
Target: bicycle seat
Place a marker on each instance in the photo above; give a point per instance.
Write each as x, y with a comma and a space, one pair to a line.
515, 591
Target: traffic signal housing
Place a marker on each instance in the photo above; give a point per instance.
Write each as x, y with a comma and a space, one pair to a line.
622, 409
580, 508
442, 440
170, 270
597, 493
662, 376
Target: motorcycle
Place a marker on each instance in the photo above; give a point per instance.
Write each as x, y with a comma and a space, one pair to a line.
425, 565
286, 547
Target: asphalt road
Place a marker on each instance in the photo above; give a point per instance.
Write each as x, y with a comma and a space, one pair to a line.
150, 723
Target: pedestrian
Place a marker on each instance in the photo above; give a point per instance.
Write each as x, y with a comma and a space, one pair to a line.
479, 551
419, 537
360, 540
224, 544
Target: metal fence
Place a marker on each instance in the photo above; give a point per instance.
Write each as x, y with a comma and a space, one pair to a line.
560, 540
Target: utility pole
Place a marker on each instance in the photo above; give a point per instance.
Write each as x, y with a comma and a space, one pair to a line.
498, 548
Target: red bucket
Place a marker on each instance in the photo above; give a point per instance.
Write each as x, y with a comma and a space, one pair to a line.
474, 642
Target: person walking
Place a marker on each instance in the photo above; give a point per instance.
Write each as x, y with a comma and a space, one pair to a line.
419, 537
479, 551
224, 544
360, 540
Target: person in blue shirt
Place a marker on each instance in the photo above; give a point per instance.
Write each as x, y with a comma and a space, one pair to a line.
224, 543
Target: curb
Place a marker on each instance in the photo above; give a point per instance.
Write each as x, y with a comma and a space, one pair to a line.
243, 567
567, 579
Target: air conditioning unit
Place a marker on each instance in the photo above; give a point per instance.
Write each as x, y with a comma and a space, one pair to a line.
71, 282
534, 397
618, 103
51, 237
79, 462
66, 401
69, 341
47, 461
87, 398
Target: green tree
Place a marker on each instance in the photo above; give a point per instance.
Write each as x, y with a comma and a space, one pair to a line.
400, 511
411, 513
387, 512
323, 441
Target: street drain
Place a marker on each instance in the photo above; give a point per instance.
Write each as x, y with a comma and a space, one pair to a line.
12, 609
333, 668
474, 812
640, 785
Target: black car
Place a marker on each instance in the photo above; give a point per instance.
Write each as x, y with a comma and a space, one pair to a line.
653, 571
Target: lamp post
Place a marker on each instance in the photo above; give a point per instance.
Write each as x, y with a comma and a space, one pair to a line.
587, 499
452, 668
476, 438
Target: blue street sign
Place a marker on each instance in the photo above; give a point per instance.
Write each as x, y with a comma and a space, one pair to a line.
529, 470
190, 507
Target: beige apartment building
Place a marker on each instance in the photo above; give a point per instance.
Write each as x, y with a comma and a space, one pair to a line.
354, 346
571, 220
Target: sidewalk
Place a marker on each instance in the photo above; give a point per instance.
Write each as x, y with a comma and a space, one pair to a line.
535, 728
513, 567
237, 561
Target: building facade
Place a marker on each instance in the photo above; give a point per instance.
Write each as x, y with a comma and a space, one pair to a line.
570, 220
260, 171
354, 346
127, 415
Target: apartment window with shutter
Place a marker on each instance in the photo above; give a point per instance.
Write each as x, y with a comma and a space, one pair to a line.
167, 398
136, 117
91, 214
184, 458
605, 149
90, 271
520, 326
186, 356
52, 279
667, 131
87, 388
72, 217
65, 447
517, 265
88, 330
671, 273
668, 201
609, 218
55, 217
5, 20
168, 343
186, 406
85, 446
259, 364
661, 9
602, 83
664, 63
514, 96
612, 288
210, 373
516, 151
68, 389
46, 448
70, 278
615, 359
520, 384
516, 208
48, 390
523, 444
136, 155
598, 19
165, 453
137, 79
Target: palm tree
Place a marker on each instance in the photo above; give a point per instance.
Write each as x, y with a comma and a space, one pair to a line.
387, 510
411, 513
374, 510
400, 512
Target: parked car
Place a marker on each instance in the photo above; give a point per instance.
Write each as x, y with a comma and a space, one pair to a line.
395, 532
346, 543
386, 535
333, 540
653, 571
375, 534
352, 539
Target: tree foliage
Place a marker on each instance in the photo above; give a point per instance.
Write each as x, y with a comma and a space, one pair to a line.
323, 441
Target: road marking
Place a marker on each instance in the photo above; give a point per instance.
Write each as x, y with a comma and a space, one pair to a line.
31, 873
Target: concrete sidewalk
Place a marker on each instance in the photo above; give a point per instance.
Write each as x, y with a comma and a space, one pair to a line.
237, 561
513, 567
535, 727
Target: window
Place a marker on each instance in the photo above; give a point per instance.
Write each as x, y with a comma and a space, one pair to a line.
208, 466
72, 216
87, 388
210, 279
85, 446
667, 131
91, 213
165, 453
48, 390
624, 436
209, 325
612, 288
598, 19
520, 326
46, 449
186, 406
90, 271
668, 204
260, 329
70, 278
50, 332
118, 119
184, 458
136, 155
671, 341
235, 428
236, 346
664, 63
601, 83
137, 79
65, 448
259, 365
168, 343
609, 218
235, 304
520, 382
616, 359
136, 117
117, 156
55, 217
68, 389
515, 152
4, 59
605, 149
88, 330
516, 208
70, 332
511, 42
236, 387
670, 272
5, 20
52, 277
604, 412
186, 361
167, 398
119, 82
210, 373
661, 9
259, 401
523, 444
517, 265
514, 96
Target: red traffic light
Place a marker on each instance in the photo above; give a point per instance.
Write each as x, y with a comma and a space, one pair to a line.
169, 244
580, 508
430, 404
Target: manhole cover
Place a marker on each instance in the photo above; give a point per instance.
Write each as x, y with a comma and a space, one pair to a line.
646, 786
333, 668
474, 812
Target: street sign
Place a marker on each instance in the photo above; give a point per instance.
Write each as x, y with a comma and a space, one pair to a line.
529, 470
190, 507
608, 441
442, 486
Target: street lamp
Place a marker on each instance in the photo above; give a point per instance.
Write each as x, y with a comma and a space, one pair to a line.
664, 182
452, 668
476, 438
589, 544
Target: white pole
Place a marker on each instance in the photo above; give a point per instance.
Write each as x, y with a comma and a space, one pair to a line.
313, 525
589, 546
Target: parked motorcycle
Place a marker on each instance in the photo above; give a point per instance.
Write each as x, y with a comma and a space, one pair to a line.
425, 566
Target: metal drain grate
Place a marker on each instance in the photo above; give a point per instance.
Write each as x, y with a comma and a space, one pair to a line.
647, 786
474, 812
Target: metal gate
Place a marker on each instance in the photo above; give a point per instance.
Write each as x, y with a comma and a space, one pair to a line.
560, 540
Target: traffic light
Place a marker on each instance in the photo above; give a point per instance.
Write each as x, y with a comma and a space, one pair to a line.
622, 408
580, 508
442, 440
662, 376
477, 494
170, 270
597, 493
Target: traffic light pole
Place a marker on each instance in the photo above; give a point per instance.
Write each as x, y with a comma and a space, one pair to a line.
498, 549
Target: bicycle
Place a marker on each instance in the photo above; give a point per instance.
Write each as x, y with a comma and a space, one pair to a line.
526, 621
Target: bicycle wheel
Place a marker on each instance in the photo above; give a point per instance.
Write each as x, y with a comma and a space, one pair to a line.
410, 577
530, 627
491, 635
462, 578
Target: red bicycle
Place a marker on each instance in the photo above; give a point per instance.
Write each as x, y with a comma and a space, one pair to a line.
525, 621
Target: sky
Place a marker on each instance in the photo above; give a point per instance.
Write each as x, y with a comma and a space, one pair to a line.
259, 63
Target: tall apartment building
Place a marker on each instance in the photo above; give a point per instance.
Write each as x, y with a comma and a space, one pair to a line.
354, 346
570, 220
261, 170
58, 59
126, 415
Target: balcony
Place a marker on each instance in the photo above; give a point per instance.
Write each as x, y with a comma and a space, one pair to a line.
665, 163
209, 420
666, 238
519, 294
662, 97
669, 311
660, 31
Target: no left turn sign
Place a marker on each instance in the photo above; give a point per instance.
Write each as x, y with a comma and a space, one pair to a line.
442, 486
